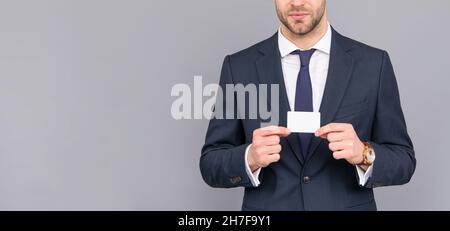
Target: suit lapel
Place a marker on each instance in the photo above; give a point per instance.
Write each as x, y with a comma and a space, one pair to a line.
270, 72
339, 75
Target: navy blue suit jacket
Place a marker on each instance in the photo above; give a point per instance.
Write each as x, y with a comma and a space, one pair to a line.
361, 89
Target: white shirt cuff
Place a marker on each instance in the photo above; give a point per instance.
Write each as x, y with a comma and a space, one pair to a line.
364, 176
254, 176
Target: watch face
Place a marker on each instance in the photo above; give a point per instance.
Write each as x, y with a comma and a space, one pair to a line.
371, 156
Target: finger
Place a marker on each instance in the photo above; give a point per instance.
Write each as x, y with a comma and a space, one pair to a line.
267, 140
273, 130
272, 140
340, 155
274, 149
286, 132
268, 150
332, 135
337, 146
336, 136
273, 158
333, 127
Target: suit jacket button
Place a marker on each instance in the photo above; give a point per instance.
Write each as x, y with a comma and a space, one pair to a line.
377, 184
236, 180
306, 180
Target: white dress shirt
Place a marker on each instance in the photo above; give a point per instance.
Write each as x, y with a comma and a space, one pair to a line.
318, 70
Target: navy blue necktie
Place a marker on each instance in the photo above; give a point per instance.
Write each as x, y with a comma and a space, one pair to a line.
304, 95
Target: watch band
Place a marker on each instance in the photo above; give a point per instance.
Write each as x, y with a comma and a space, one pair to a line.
367, 149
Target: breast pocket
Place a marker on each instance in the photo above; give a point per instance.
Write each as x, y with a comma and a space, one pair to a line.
351, 109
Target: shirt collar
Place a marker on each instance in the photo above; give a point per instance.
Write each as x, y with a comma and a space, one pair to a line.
287, 47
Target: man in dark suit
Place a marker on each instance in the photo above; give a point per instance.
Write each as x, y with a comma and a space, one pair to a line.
363, 142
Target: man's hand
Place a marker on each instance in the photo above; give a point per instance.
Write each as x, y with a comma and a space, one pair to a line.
265, 148
344, 142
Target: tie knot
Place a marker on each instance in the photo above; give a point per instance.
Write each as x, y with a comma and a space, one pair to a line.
305, 56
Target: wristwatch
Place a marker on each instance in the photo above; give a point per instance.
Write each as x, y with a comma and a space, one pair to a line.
368, 154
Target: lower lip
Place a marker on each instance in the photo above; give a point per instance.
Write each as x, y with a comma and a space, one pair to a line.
299, 16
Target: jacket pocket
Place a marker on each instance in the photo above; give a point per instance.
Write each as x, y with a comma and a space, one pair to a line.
365, 206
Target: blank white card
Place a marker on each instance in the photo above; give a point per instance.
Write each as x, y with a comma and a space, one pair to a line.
303, 122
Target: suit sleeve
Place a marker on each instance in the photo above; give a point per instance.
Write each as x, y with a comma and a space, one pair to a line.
395, 162
222, 161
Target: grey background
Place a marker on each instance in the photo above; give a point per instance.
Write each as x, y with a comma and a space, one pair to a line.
85, 99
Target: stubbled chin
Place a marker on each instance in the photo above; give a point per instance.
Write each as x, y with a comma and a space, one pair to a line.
298, 25
299, 29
